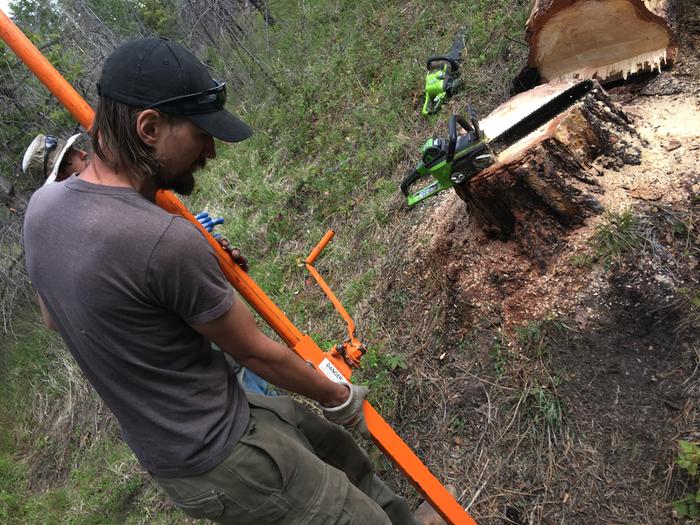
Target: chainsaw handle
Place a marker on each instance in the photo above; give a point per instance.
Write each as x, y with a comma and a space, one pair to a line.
454, 65
409, 180
452, 133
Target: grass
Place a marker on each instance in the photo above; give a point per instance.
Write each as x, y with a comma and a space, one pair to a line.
688, 459
535, 338
618, 235
378, 367
545, 407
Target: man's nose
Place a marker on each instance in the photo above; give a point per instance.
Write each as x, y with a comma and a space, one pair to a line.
209, 149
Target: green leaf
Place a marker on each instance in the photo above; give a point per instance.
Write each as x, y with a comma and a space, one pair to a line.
693, 510
681, 509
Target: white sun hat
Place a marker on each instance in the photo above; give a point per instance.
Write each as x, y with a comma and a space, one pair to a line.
44, 155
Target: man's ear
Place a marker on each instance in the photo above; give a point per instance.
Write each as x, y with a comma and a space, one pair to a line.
149, 126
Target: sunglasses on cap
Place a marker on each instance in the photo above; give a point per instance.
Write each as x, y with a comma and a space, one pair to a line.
207, 101
50, 143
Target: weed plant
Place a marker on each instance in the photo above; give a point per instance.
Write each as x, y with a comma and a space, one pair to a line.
688, 460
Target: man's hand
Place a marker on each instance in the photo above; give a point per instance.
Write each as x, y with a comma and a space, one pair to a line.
236, 254
350, 413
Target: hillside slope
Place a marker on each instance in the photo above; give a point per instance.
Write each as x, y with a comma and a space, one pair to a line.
550, 394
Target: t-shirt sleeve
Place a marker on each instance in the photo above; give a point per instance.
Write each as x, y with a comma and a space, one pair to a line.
184, 275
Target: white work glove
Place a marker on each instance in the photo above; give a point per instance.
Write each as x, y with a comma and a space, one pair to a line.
350, 414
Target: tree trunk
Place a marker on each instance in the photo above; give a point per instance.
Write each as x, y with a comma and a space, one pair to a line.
548, 181
602, 39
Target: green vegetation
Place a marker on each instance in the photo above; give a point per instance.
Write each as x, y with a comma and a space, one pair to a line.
692, 298
545, 407
500, 356
581, 260
534, 338
376, 373
619, 234
689, 460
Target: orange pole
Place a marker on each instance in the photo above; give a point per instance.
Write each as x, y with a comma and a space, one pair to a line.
382, 434
319, 247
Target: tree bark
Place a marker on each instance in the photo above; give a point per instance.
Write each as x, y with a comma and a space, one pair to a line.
548, 181
602, 39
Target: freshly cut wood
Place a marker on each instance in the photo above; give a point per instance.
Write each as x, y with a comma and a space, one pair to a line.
547, 182
602, 39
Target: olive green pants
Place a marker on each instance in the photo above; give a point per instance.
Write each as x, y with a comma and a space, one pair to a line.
290, 467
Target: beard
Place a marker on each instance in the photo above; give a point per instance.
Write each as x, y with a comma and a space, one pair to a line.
181, 183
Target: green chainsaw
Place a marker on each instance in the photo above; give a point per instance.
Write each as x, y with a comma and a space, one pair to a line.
462, 156
443, 80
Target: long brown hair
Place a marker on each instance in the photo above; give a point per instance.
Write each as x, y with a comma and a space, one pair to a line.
116, 143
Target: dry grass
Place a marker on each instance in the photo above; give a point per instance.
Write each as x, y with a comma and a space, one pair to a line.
15, 290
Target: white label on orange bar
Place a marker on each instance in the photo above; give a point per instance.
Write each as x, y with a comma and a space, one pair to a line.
331, 372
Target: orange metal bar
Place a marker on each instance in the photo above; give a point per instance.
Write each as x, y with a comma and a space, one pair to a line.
352, 348
382, 434
319, 247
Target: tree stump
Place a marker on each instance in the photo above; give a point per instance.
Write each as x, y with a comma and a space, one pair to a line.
602, 39
547, 182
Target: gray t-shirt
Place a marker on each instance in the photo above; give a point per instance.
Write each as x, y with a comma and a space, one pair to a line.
124, 280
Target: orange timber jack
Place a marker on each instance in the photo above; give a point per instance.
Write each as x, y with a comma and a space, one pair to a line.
337, 364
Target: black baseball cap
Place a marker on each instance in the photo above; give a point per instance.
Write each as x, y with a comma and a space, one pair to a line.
160, 74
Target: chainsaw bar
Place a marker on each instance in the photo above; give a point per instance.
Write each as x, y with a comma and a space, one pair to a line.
540, 116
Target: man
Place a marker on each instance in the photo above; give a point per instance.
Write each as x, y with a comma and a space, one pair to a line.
53, 159
138, 297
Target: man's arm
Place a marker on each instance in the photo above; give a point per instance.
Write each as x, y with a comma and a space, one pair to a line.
46, 316
237, 333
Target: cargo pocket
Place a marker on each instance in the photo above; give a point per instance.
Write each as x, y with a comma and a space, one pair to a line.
260, 478
208, 505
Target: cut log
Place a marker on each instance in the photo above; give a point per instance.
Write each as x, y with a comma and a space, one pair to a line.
548, 181
602, 39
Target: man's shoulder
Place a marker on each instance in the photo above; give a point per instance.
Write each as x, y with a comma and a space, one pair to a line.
42, 202
180, 232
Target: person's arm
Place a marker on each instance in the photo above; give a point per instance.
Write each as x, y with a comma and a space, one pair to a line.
46, 316
237, 333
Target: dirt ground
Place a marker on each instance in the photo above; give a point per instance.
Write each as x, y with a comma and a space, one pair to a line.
558, 394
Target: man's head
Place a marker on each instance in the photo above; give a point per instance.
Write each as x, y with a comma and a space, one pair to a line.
53, 159
158, 110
